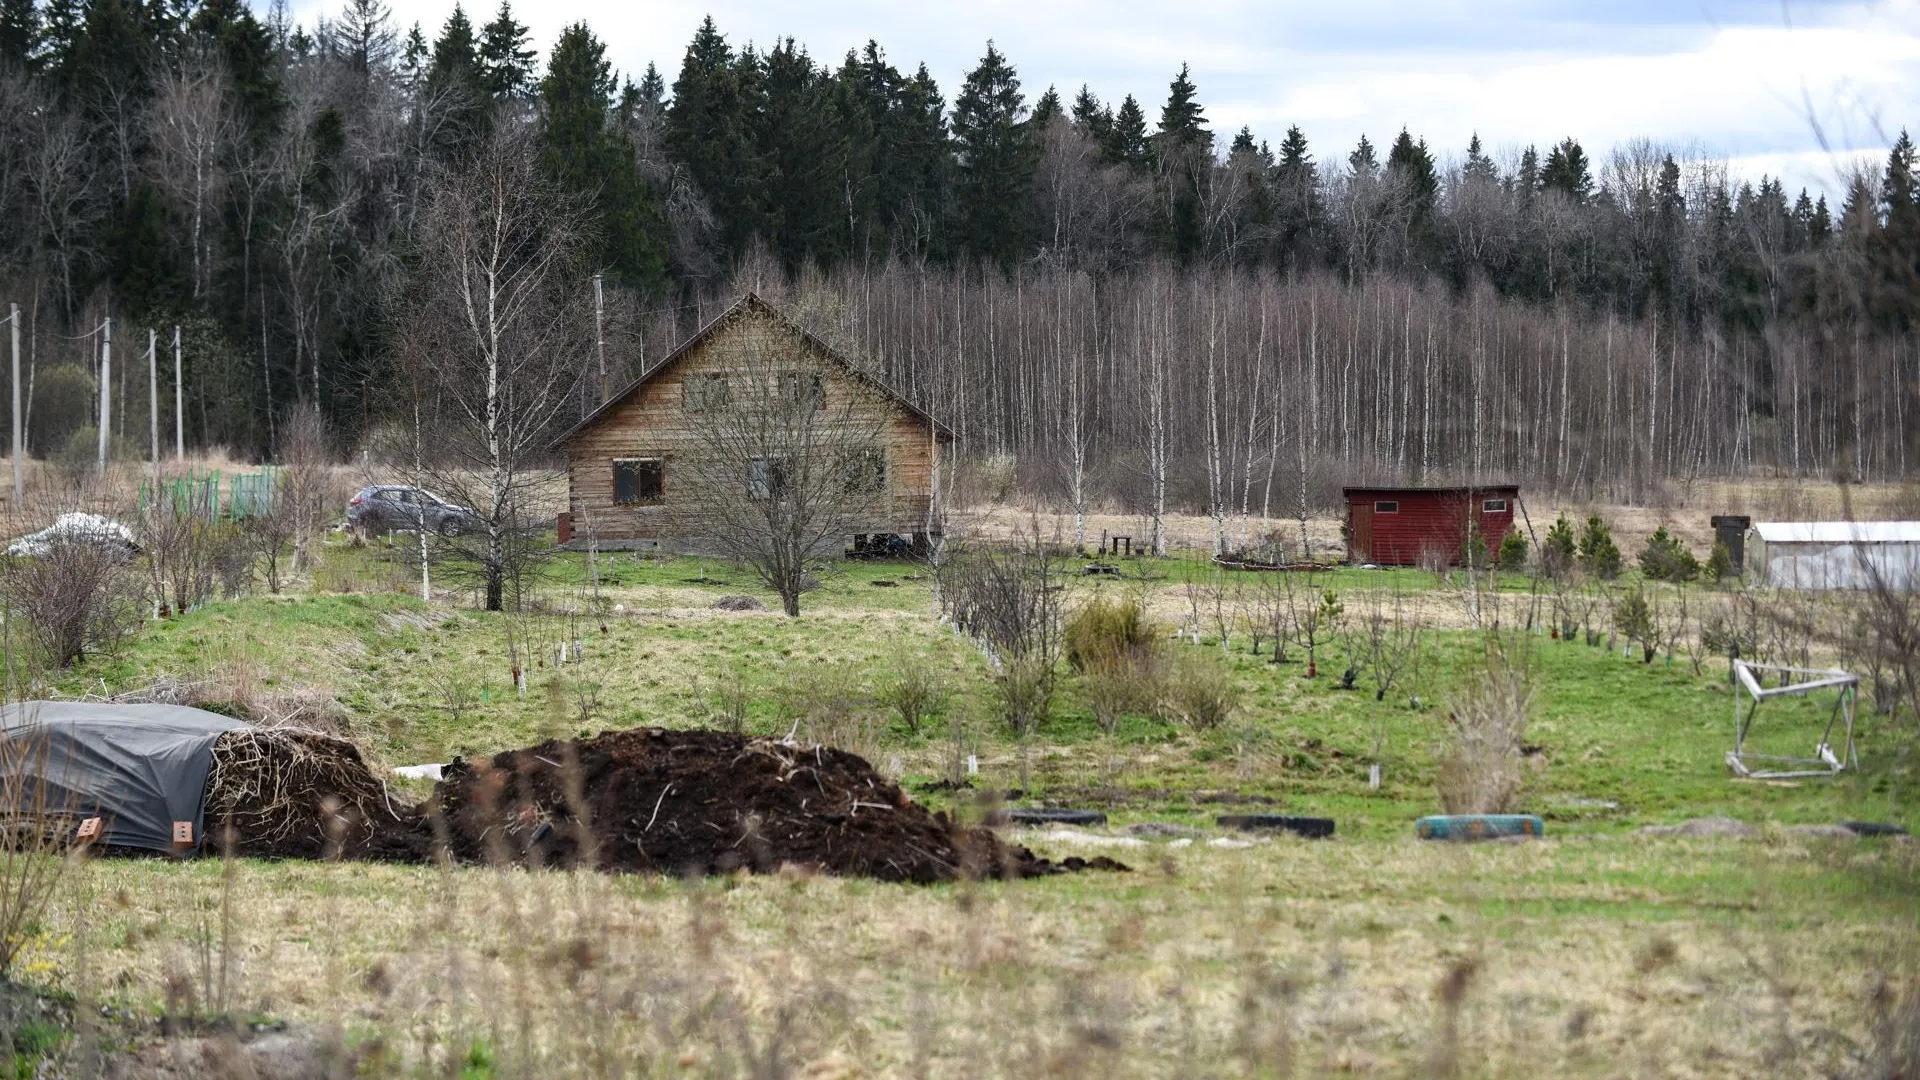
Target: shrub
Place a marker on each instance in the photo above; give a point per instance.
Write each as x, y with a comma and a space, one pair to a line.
1513, 552
1665, 558
1201, 691
912, 690
1473, 549
1025, 687
1597, 551
75, 597
1720, 563
1633, 617
1103, 629
1557, 550
1480, 765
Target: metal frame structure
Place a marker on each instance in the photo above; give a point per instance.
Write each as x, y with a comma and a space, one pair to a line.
1824, 762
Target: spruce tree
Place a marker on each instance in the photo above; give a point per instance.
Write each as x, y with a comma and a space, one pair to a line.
506, 57
1897, 250
709, 129
1567, 171
1362, 161
802, 139
1296, 193
19, 35
1093, 118
1416, 182
1045, 111
456, 86
995, 172
1479, 167
589, 156
1184, 148
1127, 142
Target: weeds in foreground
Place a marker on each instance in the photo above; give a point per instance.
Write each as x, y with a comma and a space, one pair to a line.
1480, 767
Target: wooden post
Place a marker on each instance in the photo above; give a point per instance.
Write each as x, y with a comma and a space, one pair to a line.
106, 388
179, 413
19, 437
153, 403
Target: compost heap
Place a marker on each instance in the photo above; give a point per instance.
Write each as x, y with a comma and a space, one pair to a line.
698, 802
290, 793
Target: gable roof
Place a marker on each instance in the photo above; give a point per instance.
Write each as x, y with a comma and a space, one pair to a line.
1838, 532
751, 302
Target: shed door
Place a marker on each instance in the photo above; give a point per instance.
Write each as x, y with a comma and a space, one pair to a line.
1360, 537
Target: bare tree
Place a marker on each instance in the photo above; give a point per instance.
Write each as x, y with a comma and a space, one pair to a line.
192, 123
788, 463
76, 596
497, 323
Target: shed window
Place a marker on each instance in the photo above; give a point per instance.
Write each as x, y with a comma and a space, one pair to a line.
1494, 506
866, 472
1386, 506
638, 480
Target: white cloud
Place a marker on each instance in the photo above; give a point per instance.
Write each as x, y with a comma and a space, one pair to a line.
1743, 79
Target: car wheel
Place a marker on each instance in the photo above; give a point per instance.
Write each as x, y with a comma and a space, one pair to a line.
450, 527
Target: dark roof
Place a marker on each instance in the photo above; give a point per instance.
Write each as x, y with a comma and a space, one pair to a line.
749, 302
1474, 489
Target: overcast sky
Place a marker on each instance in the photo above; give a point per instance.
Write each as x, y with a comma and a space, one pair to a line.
1756, 83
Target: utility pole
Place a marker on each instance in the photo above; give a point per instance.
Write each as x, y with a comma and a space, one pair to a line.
153, 401
106, 389
179, 429
599, 338
19, 437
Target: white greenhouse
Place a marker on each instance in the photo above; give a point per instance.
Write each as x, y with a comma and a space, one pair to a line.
1834, 554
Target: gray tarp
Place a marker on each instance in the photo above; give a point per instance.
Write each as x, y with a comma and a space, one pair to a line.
140, 768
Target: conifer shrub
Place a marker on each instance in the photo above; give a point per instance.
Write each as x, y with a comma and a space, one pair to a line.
1513, 552
1665, 558
1597, 552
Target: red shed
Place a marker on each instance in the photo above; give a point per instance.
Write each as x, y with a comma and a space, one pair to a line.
1396, 526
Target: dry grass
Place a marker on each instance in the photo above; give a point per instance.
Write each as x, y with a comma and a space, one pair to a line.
1331, 957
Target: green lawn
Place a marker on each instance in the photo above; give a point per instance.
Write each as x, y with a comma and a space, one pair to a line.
1597, 952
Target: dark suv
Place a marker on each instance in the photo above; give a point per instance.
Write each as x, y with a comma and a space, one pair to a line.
380, 508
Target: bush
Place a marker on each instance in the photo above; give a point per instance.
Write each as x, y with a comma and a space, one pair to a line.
1480, 765
76, 597
1201, 691
1025, 687
1597, 551
1633, 617
1557, 550
1513, 552
1720, 563
913, 690
1103, 630
1473, 549
1665, 558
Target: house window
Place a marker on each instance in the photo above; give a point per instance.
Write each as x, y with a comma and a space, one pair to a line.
766, 478
802, 388
705, 392
866, 472
1494, 506
638, 480
1386, 506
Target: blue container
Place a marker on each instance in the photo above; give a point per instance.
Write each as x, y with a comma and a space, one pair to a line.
1478, 826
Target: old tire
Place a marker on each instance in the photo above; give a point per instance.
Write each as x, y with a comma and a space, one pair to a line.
1872, 828
1478, 826
1040, 815
1311, 827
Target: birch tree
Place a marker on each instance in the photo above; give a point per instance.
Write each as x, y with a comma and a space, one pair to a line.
497, 319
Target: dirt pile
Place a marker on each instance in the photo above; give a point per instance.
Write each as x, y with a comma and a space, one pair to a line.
697, 802
296, 794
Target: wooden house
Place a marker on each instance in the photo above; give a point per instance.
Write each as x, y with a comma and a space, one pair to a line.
622, 480
1409, 526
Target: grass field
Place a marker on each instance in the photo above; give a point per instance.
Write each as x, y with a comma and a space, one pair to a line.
1599, 951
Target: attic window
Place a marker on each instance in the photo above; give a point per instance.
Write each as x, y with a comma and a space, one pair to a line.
1494, 506
705, 392
638, 480
1386, 506
802, 388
